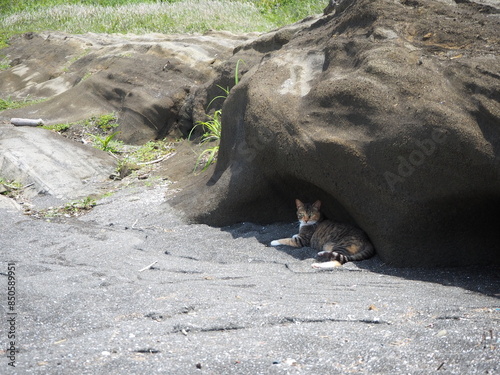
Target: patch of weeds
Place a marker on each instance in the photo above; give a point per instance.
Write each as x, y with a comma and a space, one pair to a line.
98, 128
213, 128
4, 39
124, 168
86, 76
104, 122
151, 151
58, 128
76, 207
4, 63
107, 143
212, 133
148, 154
107, 195
8, 103
71, 209
10, 188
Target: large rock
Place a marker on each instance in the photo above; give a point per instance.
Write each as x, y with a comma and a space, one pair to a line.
51, 165
386, 111
148, 81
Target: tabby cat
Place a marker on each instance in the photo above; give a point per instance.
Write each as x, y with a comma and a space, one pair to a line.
338, 243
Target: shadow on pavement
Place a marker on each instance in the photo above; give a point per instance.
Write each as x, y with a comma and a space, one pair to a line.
477, 279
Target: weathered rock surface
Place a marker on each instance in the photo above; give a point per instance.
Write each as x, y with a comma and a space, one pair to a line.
149, 81
52, 165
388, 112
146, 80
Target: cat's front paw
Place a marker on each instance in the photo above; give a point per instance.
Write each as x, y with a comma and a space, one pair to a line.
275, 243
324, 254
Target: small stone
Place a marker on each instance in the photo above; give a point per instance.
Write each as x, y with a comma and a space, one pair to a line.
291, 362
442, 333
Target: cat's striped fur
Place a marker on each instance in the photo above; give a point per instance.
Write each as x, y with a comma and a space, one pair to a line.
338, 243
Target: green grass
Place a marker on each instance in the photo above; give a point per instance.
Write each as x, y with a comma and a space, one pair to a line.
107, 143
146, 16
10, 188
8, 103
70, 209
58, 128
152, 150
213, 129
4, 63
104, 122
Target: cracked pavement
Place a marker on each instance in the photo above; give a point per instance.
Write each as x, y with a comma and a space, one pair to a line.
220, 301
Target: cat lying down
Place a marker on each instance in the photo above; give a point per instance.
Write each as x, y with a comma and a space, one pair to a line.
338, 243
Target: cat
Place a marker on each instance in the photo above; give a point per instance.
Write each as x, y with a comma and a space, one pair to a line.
338, 243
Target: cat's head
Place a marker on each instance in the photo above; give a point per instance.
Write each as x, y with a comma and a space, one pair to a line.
307, 213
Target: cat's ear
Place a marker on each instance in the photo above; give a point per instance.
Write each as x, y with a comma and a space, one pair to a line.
317, 205
299, 203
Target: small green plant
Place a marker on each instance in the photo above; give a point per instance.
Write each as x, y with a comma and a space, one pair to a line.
151, 151
10, 188
4, 63
71, 209
124, 168
75, 207
141, 157
213, 128
59, 128
10, 183
107, 143
86, 76
104, 122
223, 97
226, 90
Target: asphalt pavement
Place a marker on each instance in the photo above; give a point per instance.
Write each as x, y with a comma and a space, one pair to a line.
129, 288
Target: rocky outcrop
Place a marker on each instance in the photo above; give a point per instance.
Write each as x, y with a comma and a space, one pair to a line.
148, 81
151, 82
51, 166
386, 111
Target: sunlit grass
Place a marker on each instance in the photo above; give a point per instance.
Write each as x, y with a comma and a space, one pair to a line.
133, 16
180, 17
9, 103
